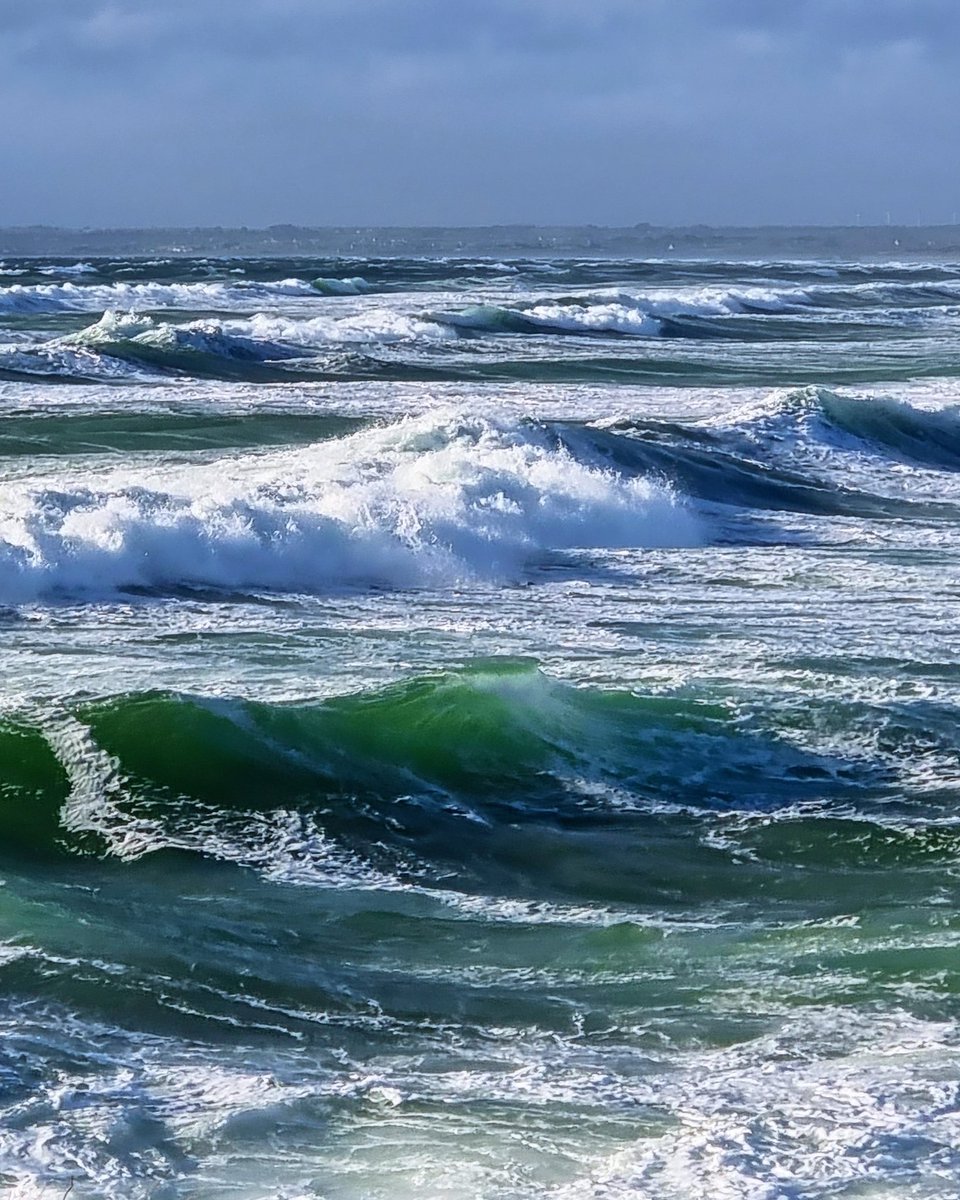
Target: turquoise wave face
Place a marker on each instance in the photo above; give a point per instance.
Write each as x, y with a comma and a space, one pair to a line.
480, 727
451, 756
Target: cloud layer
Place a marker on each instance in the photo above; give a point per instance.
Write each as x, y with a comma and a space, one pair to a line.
479, 111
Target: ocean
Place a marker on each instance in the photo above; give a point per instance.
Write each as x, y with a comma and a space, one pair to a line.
480, 728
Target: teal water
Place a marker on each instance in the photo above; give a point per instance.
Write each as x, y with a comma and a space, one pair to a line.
479, 729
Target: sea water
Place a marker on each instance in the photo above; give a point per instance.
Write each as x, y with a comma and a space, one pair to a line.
479, 728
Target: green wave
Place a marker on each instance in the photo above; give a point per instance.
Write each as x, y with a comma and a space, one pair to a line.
422, 764
493, 780
500, 733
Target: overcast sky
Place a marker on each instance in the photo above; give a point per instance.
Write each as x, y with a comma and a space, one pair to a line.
147, 112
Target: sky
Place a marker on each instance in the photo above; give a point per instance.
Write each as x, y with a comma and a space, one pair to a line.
472, 112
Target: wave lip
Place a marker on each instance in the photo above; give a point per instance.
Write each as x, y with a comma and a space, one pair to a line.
928, 437
728, 471
430, 501
476, 731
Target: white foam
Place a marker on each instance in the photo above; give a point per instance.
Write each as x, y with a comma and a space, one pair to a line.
79, 268
586, 318
429, 501
205, 337
821, 1107
74, 297
369, 325
718, 301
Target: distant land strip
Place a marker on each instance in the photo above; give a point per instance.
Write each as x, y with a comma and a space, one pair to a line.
637, 241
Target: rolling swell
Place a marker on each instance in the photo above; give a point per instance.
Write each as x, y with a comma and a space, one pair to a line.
701, 367
703, 467
427, 502
660, 340
128, 336
806, 422
125, 345
902, 431
69, 297
120, 432
745, 314
673, 914
131, 361
553, 318
263, 348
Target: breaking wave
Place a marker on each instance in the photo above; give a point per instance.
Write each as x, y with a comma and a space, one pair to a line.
692, 312
425, 502
116, 332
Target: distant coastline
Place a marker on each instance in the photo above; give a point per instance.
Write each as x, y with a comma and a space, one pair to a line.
639, 241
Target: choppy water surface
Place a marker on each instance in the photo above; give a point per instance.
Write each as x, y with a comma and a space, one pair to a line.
479, 729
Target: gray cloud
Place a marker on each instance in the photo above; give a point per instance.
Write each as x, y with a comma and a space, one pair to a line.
475, 111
